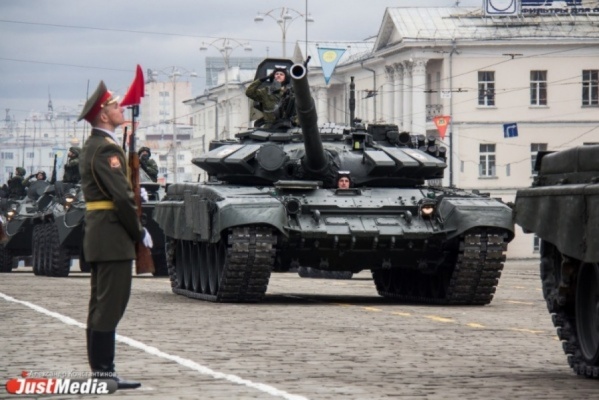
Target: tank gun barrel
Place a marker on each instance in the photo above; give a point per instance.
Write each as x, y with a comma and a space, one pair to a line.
315, 159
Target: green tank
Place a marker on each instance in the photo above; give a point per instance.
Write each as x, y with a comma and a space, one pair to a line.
562, 210
271, 203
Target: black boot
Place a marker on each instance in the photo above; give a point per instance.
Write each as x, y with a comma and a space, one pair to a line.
101, 358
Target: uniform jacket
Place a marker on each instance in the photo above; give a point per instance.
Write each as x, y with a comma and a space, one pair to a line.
110, 235
150, 166
71, 171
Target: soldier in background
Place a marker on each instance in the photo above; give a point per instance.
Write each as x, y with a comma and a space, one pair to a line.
16, 188
71, 168
147, 164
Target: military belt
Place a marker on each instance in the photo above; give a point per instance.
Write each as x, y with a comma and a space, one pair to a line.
99, 205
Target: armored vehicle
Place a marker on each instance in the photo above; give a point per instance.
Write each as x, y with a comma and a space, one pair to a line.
18, 226
272, 203
562, 209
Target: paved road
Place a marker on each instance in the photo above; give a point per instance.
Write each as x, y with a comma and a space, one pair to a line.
314, 339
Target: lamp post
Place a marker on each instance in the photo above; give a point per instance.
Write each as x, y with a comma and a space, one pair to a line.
173, 74
284, 19
225, 46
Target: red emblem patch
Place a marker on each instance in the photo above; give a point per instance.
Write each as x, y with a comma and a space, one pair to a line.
114, 162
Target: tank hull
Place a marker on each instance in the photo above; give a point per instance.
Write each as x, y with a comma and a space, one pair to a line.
562, 209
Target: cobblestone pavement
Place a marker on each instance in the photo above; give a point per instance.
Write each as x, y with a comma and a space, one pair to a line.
310, 338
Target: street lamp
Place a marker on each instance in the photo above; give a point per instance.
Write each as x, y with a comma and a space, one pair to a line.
284, 19
173, 74
226, 46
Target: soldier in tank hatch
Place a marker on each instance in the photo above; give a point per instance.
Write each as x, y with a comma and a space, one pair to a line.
71, 168
147, 163
111, 230
274, 99
344, 180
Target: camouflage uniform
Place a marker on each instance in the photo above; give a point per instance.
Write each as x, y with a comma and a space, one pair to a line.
276, 101
71, 168
16, 186
147, 164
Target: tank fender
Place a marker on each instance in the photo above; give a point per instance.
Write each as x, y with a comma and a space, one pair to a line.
265, 212
461, 214
566, 216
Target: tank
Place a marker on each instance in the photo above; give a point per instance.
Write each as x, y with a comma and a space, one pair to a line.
271, 203
562, 210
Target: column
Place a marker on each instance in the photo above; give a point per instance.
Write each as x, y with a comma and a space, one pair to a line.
322, 103
418, 96
407, 96
388, 97
398, 94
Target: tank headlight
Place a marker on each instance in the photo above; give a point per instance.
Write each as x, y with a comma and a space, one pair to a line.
69, 199
11, 213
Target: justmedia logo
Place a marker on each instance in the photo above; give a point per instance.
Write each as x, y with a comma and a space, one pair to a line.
60, 386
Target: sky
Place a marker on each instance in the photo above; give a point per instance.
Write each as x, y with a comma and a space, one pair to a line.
63, 48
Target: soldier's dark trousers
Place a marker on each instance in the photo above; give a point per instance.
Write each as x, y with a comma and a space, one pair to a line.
110, 290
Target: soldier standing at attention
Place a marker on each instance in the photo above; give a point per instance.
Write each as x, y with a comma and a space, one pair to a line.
147, 164
71, 168
111, 230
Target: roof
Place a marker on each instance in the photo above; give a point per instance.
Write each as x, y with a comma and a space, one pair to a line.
402, 24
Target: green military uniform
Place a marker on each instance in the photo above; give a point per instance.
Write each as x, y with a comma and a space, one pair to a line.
275, 101
71, 168
111, 229
16, 187
147, 164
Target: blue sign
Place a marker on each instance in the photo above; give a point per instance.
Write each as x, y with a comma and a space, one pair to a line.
328, 60
510, 130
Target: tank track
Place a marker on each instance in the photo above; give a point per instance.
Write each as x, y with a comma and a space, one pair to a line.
245, 272
559, 291
309, 272
472, 281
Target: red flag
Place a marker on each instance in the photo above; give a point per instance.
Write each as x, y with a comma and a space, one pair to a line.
441, 122
136, 90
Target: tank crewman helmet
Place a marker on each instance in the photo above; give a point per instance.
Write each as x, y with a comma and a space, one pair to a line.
98, 100
21, 171
75, 150
142, 149
344, 174
283, 70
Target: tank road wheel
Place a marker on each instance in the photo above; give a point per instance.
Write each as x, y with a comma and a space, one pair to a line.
587, 312
6, 260
59, 258
469, 278
235, 269
572, 303
36, 246
203, 267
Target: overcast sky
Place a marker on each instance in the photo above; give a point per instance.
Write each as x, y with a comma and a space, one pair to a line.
58, 46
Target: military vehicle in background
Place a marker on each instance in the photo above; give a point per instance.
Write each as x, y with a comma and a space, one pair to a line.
562, 209
18, 225
272, 203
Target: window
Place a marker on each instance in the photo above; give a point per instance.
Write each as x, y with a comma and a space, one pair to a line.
6, 156
534, 149
164, 94
180, 170
536, 244
30, 154
486, 88
590, 87
538, 88
8, 169
162, 170
182, 156
487, 160
162, 157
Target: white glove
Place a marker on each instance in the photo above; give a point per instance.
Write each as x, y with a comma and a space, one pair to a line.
147, 240
144, 194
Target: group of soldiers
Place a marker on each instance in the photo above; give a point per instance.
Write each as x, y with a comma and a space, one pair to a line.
18, 185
